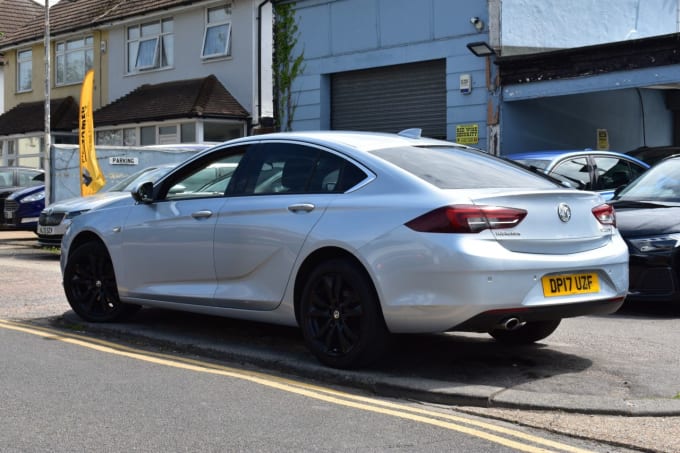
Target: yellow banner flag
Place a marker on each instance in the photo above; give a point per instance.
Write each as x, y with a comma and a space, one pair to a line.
91, 177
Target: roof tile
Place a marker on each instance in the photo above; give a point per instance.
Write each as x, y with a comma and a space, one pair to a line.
205, 97
30, 117
67, 15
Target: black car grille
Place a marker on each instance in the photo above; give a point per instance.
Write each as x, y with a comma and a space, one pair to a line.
11, 205
51, 219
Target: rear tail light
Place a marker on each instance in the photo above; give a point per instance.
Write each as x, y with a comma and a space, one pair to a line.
467, 219
605, 214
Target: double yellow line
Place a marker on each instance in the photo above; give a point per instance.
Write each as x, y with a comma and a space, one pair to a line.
472, 427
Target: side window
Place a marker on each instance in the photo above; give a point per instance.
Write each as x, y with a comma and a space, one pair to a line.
612, 172
208, 177
29, 178
293, 168
6, 178
575, 170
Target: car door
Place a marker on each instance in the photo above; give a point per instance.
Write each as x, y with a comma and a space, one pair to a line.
167, 245
613, 172
273, 204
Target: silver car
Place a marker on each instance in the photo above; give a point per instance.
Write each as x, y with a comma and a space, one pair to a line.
352, 236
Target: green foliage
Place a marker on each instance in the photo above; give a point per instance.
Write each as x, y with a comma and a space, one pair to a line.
287, 66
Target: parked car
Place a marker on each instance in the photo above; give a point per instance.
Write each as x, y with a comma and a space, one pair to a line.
15, 178
22, 208
601, 171
654, 154
55, 219
351, 237
648, 216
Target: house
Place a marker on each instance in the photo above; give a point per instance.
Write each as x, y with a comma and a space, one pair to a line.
166, 71
12, 14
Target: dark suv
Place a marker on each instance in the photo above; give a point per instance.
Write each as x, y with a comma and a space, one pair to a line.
15, 178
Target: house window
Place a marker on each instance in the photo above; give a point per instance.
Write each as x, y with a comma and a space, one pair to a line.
74, 58
117, 137
214, 131
24, 70
150, 46
147, 135
216, 40
167, 135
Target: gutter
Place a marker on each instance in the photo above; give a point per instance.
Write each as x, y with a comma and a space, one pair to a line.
259, 57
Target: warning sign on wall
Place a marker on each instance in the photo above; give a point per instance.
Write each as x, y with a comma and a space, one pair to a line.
467, 134
602, 139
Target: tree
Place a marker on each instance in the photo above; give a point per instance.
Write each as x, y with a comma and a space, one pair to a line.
287, 67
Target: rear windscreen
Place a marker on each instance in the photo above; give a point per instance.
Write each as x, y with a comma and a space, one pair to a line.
457, 168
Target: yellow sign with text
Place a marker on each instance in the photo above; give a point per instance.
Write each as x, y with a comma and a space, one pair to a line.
602, 139
467, 134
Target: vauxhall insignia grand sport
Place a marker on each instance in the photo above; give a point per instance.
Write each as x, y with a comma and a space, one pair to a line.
352, 236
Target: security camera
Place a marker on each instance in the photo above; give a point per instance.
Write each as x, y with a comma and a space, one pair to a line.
477, 22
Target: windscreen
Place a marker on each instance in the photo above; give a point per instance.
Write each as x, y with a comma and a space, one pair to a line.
148, 174
457, 168
660, 183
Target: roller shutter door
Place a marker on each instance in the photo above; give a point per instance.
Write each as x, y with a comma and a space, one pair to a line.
391, 98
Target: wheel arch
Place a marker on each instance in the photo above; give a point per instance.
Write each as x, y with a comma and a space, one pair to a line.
319, 256
83, 238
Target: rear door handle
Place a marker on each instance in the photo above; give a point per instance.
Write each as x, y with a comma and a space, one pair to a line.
301, 207
201, 214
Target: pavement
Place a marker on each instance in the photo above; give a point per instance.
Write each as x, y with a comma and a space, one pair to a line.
544, 378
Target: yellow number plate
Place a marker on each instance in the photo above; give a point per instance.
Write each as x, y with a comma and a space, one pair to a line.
564, 285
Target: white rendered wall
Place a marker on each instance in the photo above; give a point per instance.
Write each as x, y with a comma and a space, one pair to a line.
554, 24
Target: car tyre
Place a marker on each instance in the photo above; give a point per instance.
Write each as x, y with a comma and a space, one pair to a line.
90, 285
340, 316
528, 333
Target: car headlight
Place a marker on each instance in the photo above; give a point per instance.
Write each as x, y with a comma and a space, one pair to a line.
652, 244
72, 214
32, 198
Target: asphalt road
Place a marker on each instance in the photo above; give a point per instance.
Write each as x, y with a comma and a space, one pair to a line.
630, 356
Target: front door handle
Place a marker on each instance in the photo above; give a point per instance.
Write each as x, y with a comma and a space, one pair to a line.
201, 214
301, 207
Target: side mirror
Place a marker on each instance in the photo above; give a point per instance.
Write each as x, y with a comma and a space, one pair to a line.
143, 193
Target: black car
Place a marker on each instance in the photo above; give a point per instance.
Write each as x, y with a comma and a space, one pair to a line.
654, 154
648, 217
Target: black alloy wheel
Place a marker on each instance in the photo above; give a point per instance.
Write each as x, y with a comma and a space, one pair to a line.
528, 333
90, 285
340, 316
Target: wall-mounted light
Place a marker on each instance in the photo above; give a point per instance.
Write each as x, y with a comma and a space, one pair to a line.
477, 23
480, 49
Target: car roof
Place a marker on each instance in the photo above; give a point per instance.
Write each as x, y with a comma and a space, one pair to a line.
554, 154
366, 141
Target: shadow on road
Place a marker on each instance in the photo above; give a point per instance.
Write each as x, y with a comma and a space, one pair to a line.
464, 358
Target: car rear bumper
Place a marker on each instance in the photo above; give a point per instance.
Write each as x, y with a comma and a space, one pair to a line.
654, 278
492, 319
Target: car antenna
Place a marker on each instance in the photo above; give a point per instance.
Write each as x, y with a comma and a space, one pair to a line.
411, 133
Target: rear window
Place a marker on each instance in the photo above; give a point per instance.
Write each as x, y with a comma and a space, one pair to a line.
456, 168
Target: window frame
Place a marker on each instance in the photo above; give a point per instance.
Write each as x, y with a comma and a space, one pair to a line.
64, 54
216, 25
163, 46
23, 63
